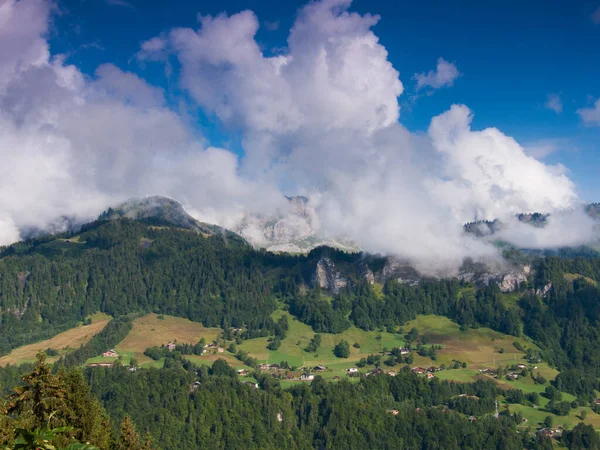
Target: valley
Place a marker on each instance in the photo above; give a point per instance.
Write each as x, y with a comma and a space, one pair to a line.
198, 316
479, 349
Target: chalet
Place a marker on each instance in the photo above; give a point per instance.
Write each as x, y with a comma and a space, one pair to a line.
171, 346
263, 367
391, 373
418, 370
472, 418
376, 371
597, 401
211, 345
393, 411
250, 383
352, 370
307, 377
490, 372
404, 351
430, 375
320, 368
220, 350
336, 378
110, 353
512, 376
274, 366
195, 385
242, 372
551, 432
521, 366
432, 369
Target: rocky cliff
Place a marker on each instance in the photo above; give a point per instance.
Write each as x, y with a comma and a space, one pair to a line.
293, 229
328, 277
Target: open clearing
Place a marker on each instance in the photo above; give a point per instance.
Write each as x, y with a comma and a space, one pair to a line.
479, 348
299, 336
63, 342
150, 331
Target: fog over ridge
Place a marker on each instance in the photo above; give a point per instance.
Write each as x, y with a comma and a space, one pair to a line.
321, 119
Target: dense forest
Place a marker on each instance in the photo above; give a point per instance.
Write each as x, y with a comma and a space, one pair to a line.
189, 407
125, 268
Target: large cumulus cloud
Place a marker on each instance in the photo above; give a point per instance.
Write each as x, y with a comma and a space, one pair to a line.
320, 118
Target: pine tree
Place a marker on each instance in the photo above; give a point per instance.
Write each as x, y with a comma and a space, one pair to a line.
129, 438
43, 394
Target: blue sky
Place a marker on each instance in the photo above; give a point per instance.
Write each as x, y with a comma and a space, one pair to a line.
511, 56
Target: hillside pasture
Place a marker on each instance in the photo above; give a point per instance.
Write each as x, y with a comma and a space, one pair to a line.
480, 348
63, 342
150, 331
299, 336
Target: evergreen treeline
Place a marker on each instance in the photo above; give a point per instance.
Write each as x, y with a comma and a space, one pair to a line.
123, 266
380, 412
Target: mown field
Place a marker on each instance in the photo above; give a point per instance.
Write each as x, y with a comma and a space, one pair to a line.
150, 331
299, 336
479, 348
63, 342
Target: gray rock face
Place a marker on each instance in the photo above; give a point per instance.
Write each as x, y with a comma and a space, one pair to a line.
507, 281
367, 274
400, 271
543, 291
294, 229
327, 276
511, 281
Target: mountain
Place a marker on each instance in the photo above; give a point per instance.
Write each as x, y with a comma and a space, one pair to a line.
593, 210
293, 230
163, 211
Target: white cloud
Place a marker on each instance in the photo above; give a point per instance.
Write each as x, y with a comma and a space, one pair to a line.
566, 228
488, 174
596, 16
443, 76
71, 146
320, 119
591, 116
542, 148
123, 3
554, 103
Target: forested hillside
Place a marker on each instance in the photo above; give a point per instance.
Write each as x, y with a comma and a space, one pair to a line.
123, 266
126, 268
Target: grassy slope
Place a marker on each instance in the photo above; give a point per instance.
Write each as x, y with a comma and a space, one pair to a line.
70, 339
150, 331
479, 348
299, 336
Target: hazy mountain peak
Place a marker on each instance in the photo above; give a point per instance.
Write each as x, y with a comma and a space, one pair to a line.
293, 229
162, 211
